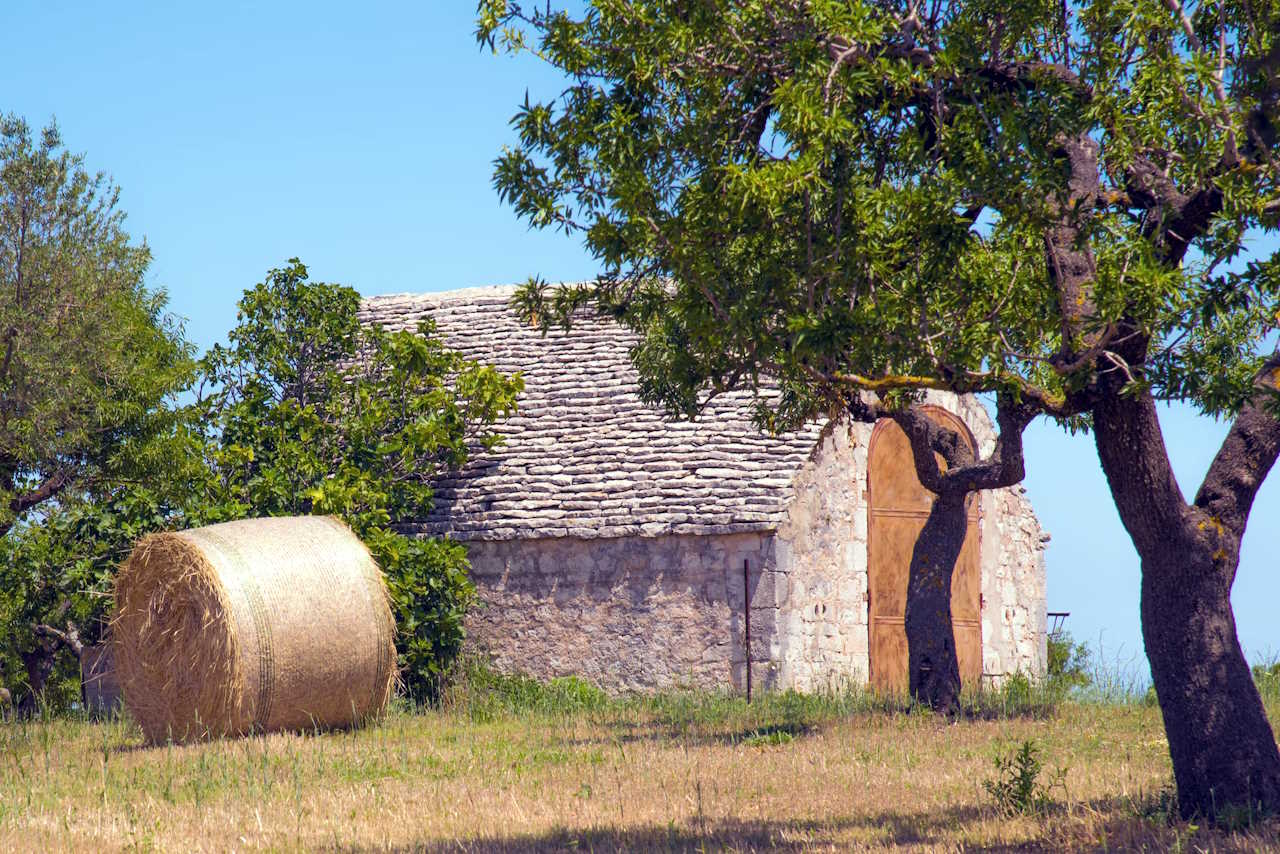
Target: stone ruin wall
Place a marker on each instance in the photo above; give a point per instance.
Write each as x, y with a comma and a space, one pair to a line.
821, 560
628, 614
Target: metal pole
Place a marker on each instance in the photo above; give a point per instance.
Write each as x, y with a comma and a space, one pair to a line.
746, 619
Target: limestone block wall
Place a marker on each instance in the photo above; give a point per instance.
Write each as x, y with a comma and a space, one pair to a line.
628, 613
821, 562
1013, 586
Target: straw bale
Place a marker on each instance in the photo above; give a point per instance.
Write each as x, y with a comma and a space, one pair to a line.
252, 626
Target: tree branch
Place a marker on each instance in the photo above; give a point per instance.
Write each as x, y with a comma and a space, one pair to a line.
926, 436
69, 638
1003, 76
1149, 187
52, 485
1068, 256
1045, 401
1006, 465
1247, 454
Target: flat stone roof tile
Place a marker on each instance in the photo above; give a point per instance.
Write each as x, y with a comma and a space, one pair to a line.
584, 456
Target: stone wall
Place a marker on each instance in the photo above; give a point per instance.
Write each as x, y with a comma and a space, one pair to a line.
628, 614
1013, 586
821, 565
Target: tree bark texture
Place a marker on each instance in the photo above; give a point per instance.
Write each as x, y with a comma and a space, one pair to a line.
40, 660
933, 667
1224, 753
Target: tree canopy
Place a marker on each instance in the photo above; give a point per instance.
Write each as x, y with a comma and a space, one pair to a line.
87, 353
855, 201
858, 195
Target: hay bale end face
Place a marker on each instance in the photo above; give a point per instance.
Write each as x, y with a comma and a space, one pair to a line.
252, 626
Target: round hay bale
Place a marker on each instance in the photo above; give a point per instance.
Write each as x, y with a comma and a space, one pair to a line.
252, 626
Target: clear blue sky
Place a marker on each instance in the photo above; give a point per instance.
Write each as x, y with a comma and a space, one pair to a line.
359, 138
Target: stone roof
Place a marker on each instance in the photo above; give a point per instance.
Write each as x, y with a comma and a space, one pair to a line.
584, 456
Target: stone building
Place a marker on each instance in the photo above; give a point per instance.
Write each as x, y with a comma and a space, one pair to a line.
639, 552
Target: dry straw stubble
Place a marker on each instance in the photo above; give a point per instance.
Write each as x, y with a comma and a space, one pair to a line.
252, 626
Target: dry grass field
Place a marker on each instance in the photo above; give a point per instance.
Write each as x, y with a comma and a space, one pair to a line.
567, 769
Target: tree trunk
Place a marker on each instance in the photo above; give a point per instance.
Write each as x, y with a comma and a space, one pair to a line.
38, 661
931, 648
1223, 750
933, 669
1222, 746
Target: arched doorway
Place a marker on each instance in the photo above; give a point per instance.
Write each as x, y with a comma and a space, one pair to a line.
898, 507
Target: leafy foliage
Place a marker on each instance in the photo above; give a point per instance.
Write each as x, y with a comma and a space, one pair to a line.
306, 410
57, 572
87, 353
856, 196
1068, 665
90, 440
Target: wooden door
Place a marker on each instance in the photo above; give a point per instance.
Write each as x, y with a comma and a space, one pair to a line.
899, 506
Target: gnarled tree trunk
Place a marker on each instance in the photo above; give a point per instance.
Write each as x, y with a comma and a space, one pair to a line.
931, 648
1223, 750
38, 662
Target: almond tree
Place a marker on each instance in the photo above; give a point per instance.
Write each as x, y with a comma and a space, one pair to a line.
1063, 204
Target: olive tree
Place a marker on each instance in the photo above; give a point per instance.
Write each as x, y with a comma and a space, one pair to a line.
842, 204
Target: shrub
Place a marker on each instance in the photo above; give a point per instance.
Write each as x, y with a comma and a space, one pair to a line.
1068, 664
1016, 788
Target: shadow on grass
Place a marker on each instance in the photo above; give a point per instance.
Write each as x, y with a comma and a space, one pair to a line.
712, 835
1110, 823
943, 828
773, 732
